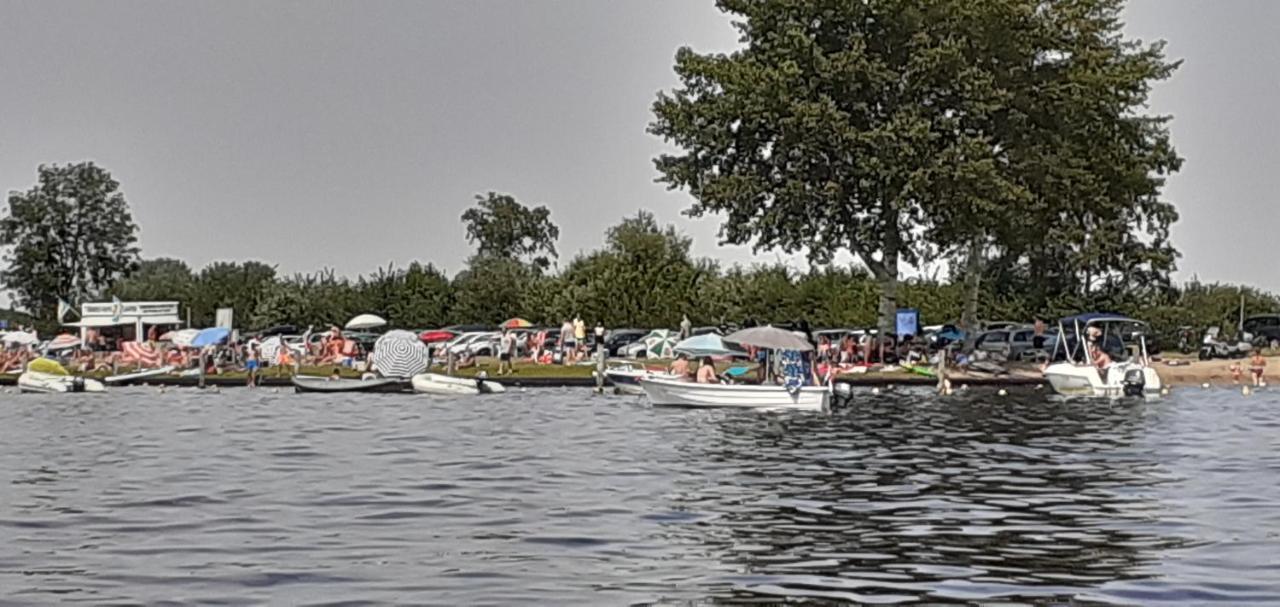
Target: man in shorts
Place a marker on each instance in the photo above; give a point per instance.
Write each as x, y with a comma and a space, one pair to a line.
506, 349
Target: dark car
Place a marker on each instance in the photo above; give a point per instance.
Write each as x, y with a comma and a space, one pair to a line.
621, 338
1265, 329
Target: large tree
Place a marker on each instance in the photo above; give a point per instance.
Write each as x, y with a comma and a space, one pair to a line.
501, 227
901, 128
71, 236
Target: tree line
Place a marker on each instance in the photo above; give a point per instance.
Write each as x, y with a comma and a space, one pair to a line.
1008, 138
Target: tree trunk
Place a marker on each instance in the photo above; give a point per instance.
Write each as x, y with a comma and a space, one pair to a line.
887, 276
972, 286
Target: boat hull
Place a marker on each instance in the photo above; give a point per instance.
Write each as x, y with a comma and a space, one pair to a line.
673, 393
446, 385
127, 378
47, 383
1070, 379
305, 383
626, 380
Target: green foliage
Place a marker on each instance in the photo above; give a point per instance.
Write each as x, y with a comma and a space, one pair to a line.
161, 279
71, 236
502, 227
897, 129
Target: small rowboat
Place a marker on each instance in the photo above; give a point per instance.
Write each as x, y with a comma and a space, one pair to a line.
311, 383
446, 385
128, 378
626, 378
666, 392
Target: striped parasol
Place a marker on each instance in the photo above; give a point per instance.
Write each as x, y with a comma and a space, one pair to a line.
399, 354
660, 343
142, 354
64, 341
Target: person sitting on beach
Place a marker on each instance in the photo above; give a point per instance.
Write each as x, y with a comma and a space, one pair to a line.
680, 367
706, 371
1257, 366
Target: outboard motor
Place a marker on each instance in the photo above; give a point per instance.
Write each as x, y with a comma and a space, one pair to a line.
842, 394
77, 384
1135, 382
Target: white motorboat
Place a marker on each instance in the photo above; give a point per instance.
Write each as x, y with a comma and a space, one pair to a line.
125, 378
447, 385
52, 383
1130, 372
669, 392
626, 378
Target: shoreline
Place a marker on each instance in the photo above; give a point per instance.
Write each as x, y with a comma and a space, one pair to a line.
1188, 373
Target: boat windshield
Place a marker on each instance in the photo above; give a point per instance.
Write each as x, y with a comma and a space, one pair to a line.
1122, 339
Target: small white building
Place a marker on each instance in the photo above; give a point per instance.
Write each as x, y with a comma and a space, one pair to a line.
133, 318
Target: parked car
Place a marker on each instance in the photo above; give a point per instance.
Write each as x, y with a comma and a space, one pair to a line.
1265, 329
461, 344
1016, 343
617, 339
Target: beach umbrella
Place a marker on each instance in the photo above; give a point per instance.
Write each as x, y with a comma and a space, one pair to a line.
400, 354
20, 338
366, 321
516, 323
140, 353
183, 338
210, 336
709, 344
431, 337
771, 338
64, 341
660, 343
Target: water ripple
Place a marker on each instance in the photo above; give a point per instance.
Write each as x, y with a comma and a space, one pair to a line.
561, 497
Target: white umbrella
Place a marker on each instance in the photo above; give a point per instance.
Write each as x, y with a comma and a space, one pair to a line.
20, 338
771, 338
366, 321
183, 338
400, 354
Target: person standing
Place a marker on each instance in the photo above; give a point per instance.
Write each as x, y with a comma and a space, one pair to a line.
567, 343
506, 350
1257, 367
580, 336
600, 336
686, 327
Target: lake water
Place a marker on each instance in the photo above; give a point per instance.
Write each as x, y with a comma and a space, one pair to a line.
559, 497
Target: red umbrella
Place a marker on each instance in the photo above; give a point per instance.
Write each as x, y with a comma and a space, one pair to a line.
516, 323
438, 335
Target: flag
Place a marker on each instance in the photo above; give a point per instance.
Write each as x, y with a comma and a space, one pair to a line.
63, 308
116, 308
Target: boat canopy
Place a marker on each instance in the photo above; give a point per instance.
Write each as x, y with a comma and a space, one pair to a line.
1095, 317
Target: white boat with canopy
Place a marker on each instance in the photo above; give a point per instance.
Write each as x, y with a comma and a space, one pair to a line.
1081, 372
794, 395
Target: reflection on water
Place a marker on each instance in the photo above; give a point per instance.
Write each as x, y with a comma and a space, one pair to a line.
560, 497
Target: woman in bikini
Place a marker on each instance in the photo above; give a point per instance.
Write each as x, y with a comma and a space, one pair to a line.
1257, 366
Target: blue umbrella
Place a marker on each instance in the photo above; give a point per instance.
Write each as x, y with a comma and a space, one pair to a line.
709, 344
209, 337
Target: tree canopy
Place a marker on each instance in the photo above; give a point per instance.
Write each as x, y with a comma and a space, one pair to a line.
70, 236
501, 227
898, 128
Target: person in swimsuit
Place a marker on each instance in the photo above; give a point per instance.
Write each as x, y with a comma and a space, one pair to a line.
680, 367
707, 371
251, 365
1257, 366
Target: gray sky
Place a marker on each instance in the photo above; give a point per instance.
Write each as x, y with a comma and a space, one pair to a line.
351, 135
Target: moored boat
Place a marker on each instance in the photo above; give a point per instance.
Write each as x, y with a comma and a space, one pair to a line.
311, 383
127, 378
48, 377
626, 378
1121, 339
668, 392
447, 385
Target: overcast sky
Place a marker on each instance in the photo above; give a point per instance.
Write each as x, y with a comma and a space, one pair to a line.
352, 135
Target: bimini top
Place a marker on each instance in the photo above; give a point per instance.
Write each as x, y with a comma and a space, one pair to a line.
1092, 317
